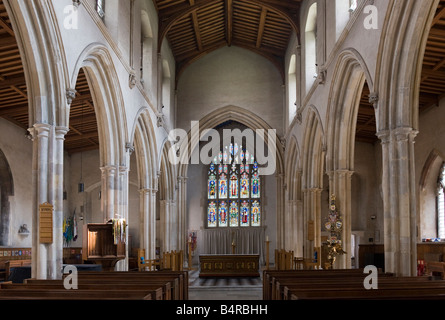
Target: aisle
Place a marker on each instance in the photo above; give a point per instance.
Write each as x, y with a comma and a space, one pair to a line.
224, 288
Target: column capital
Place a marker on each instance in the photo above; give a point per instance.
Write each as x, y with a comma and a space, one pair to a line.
384, 136
108, 169
405, 133
40, 130
147, 191
61, 132
313, 190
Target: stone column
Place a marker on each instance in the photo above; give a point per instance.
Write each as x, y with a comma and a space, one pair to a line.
399, 200
56, 256
281, 232
182, 214
108, 191
340, 186
148, 222
122, 211
40, 134
312, 212
47, 179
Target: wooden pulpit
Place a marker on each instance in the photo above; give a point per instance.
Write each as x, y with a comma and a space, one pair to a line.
100, 247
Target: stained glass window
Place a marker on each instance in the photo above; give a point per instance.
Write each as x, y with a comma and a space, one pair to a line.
245, 213
211, 215
212, 183
256, 213
234, 189
223, 214
234, 214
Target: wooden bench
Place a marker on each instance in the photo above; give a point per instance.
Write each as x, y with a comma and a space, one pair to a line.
270, 277
10, 264
179, 279
347, 284
94, 285
63, 294
436, 267
126, 289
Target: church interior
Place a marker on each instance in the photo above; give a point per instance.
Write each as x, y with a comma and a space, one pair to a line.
114, 161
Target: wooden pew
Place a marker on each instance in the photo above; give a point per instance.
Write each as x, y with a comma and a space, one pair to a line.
347, 284
157, 285
179, 279
436, 267
284, 259
126, 289
270, 277
14, 264
63, 294
384, 283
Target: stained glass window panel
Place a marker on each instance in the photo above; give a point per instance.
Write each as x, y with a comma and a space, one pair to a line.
244, 186
223, 214
234, 214
244, 214
212, 188
233, 183
211, 215
256, 213
255, 186
222, 186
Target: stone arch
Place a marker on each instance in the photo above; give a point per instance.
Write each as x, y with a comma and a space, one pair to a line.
427, 213
105, 88
294, 216
313, 163
170, 232
250, 120
6, 190
398, 74
47, 82
350, 76
145, 149
43, 61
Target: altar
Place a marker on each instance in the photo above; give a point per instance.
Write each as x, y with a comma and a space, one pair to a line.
229, 265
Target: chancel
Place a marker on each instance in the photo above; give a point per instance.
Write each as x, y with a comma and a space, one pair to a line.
222, 149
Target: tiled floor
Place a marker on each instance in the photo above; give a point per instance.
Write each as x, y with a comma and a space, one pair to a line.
224, 288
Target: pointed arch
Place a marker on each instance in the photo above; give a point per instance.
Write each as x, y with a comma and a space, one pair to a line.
106, 92
349, 78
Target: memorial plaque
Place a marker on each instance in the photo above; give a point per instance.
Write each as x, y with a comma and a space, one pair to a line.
46, 223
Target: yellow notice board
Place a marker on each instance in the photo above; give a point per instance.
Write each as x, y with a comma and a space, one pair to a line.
46, 223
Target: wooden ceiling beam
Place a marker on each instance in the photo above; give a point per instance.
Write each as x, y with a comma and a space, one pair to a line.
5, 25
229, 21
261, 27
196, 27
168, 19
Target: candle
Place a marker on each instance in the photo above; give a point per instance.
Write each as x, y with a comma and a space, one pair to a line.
267, 238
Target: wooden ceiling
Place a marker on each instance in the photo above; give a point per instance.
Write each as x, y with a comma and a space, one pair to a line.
83, 134
432, 86
196, 27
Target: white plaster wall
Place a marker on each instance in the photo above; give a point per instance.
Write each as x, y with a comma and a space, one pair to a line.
18, 152
431, 137
366, 198
231, 76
